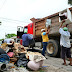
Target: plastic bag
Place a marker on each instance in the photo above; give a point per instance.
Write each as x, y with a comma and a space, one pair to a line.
4, 58
22, 61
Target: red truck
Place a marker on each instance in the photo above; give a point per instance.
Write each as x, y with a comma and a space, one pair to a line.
54, 20
20, 31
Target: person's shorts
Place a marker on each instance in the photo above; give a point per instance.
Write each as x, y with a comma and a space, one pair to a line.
65, 52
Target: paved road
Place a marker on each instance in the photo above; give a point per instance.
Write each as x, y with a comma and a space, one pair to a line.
57, 62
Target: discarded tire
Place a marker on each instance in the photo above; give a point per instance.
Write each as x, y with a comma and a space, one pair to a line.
53, 48
2, 66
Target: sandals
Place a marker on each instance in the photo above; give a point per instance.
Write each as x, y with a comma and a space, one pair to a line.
64, 64
69, 64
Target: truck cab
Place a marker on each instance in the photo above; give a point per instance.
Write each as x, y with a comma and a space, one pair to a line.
20, 31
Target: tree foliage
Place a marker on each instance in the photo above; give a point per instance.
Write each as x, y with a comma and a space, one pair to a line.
10, 35
1, 39
70, 2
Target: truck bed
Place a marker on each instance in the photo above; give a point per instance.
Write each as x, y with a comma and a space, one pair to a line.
54, 30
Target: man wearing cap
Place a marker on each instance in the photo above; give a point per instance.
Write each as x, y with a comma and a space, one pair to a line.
65, 43
45, 39
26, 38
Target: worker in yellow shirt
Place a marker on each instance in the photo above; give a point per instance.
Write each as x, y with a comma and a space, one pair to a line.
45, 39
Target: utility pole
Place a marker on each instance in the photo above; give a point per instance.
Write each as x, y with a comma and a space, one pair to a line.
0, 22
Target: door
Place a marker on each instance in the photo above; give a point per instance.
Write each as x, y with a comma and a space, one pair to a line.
30, 28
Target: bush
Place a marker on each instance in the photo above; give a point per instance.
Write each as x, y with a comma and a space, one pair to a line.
10, 35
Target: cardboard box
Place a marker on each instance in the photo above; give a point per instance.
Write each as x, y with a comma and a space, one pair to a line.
65, 15
36, 56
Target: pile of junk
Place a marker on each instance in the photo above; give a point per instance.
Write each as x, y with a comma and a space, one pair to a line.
20, 56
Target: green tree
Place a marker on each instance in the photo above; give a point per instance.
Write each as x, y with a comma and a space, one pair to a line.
70, 2
1, 39
10, 35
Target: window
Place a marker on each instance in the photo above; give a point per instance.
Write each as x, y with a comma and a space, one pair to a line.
20, 29
48, 22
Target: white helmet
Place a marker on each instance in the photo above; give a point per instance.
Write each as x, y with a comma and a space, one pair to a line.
42, 30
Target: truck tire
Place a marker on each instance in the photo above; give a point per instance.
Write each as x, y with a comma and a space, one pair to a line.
18, 41
53, 48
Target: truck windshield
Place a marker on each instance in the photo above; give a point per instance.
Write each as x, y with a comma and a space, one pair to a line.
26, 29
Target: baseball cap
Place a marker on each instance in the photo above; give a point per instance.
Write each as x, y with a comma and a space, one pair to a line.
65, 29
42, 30
25, 30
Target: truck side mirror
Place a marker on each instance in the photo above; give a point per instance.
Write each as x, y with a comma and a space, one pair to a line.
20, 29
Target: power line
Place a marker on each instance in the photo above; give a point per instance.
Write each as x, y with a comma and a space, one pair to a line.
10, 19
13, 20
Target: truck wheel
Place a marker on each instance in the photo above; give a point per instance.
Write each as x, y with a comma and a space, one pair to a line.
18, 41
53, 48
